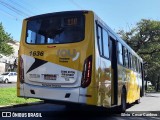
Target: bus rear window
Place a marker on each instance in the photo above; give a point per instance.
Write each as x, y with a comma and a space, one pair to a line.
55, 29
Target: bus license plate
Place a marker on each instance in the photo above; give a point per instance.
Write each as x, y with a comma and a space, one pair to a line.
50, 77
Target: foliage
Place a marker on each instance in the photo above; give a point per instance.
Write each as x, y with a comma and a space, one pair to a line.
8, 97
150, 89
144, 38
5, 49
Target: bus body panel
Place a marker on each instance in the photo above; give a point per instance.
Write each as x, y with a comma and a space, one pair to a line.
132, 81
20, 51
49, 73
61, 64
102, 74
104, 86
133, 90
51, 93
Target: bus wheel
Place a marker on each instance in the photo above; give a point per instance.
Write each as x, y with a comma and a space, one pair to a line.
137, 101
123, 101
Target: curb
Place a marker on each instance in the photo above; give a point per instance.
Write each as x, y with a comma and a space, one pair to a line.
20, 105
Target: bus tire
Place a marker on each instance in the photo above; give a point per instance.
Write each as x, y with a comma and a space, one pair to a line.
123, 101
137, 101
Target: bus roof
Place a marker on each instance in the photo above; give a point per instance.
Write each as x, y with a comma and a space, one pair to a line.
58, 13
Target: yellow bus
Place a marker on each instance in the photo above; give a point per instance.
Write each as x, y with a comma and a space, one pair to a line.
74, 57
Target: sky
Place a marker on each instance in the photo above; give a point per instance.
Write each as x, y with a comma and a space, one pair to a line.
118, 14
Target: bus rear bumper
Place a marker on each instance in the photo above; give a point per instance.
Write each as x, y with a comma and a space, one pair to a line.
49, 93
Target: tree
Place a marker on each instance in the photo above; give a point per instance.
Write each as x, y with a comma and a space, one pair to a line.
5, 49
144, 38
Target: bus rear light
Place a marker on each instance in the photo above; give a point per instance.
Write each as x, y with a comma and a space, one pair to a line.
87, 72
21, 75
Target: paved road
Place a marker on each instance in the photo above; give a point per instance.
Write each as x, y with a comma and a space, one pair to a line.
60, 112
151, 102
2, 85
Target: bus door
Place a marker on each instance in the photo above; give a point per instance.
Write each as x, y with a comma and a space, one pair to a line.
114, 71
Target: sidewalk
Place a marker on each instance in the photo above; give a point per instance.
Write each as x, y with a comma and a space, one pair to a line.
150, 102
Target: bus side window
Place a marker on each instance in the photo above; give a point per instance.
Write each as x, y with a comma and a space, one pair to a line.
120, 55
140, 68
99, 38
130, 61
137, 65
125, 57
105, 44
134, 63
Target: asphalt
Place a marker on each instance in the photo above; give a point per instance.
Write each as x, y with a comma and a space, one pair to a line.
4, 85
21, 105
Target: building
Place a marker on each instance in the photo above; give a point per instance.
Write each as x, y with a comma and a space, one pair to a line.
9, 63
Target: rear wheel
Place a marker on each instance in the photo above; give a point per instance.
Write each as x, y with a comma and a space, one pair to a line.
123, 101
137, 101
6, 80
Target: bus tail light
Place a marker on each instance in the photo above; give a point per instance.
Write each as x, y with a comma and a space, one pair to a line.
21, 75
87, 72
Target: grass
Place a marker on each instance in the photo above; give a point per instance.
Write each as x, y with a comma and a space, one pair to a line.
8, 96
